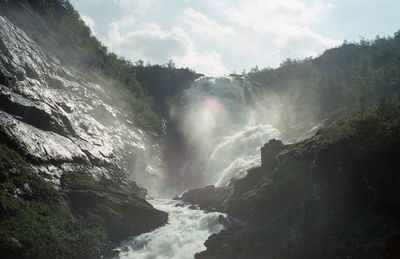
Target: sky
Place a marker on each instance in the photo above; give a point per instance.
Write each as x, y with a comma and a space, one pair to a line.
218, 37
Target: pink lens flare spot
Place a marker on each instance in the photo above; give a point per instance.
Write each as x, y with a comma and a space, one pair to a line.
214, 103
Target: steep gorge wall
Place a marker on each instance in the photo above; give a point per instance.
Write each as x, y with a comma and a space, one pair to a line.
72, 135
61, 122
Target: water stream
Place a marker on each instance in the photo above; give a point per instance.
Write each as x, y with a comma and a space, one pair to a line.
181, 238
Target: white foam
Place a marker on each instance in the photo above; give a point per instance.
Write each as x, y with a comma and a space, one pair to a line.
181, 238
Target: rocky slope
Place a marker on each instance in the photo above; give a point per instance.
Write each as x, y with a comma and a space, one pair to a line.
335, 195
66, 127
56, 118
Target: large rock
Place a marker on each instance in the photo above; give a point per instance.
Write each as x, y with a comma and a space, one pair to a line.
120, 212
209, 198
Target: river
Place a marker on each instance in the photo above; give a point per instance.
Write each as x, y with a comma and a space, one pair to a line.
181, 238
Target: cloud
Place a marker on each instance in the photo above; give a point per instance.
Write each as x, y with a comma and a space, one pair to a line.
150, 42
201, 24
210, 35
117, 28
209, 63
137, 7
284, 20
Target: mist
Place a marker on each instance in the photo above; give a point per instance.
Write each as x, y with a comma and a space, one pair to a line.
224, 121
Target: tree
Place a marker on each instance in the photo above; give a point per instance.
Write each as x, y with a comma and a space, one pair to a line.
255, 69
139, 63
171, 64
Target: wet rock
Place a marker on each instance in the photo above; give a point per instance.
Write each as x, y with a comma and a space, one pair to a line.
37, 145
194, 207
54, 82
208, 198
36, 114
6, 78
61, 122
31, 72
180, 205
230, 222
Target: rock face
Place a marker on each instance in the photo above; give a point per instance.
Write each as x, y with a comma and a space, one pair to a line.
209, 198
332, 196
61, 122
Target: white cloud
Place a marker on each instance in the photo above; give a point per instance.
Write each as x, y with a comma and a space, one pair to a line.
117, 27
210, 36
209, 63
284, 20
152, 43
201, 24
137, 7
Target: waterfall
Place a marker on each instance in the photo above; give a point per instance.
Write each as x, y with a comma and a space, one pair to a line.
225, 121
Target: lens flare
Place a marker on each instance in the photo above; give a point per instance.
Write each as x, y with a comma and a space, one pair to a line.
214, 103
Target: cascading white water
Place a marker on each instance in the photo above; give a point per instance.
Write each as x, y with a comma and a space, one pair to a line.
237, 153
225, 121
181, 238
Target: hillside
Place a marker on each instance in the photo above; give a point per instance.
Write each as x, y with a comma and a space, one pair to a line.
348, 79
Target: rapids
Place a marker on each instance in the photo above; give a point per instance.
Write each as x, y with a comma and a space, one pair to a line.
181, 238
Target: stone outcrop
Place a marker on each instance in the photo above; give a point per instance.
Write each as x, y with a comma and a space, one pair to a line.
209, 198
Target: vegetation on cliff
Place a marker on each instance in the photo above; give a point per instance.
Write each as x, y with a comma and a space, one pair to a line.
350, 78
